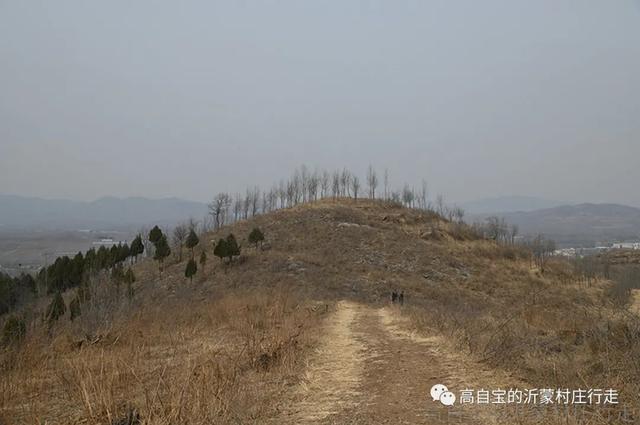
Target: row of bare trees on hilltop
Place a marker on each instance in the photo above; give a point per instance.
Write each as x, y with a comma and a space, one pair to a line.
307, 186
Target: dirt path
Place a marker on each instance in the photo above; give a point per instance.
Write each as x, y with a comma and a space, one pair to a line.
334, 372
371, 370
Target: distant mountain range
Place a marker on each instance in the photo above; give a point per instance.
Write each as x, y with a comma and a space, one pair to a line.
24, 213
506, 204
577, 225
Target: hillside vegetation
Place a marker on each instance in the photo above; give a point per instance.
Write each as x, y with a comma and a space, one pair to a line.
232, 345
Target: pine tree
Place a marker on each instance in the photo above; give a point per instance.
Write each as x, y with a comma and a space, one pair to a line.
7, 293
102, 257
155, 234
221, 249
124, 252
76, 269
192, 241
27, 282
114, 255
191, 269
256, 236
90, 259
162, 251
233, 249
56, 309
137, 247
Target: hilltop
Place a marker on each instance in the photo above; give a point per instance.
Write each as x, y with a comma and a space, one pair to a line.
302, 330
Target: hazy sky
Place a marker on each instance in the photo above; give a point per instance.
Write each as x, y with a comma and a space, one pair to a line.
185, 98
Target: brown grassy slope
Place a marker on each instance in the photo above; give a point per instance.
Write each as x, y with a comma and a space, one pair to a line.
621, 257
548, 329
337, 249
184, 359
241, 332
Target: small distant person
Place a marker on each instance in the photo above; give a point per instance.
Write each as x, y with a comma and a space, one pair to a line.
401, 298
394, 296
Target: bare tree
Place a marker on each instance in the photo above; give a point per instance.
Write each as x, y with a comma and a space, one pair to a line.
265, 202
246, 204
296, 188
304, 183
491, 228
291, 189
282, 193
218, 209
422, 198
324, 184
514, 233
180, 233
255, 198
496, 228
335, 184
407, 196
192, 224
458, 214
237, 206
386, 183
542, 249
355, 186
314, 183
440, 205
273, 198
372, 181
345, 179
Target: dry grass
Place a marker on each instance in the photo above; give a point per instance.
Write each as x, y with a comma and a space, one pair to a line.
550, 331
223, 349
334, 375
184, 359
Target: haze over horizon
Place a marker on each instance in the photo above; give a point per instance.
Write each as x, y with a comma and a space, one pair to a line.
499, 204
161, 99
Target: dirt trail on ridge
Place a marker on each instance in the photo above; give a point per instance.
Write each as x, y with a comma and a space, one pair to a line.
369, 369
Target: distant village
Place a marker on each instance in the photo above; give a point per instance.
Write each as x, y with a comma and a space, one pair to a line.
584, 252
107, 242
